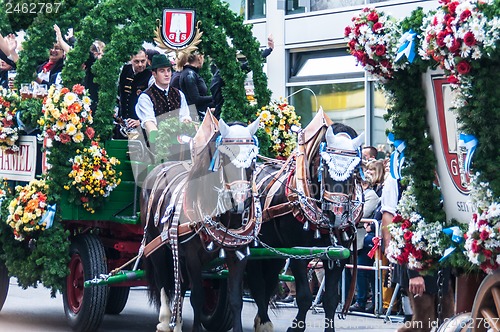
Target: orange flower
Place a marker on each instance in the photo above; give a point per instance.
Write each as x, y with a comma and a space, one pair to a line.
32, 205
74, 108
64, 91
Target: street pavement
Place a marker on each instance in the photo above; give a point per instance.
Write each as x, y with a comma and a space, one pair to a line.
33, 310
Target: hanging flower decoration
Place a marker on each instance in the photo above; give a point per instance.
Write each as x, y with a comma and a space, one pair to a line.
277, 119
93, 176
27, 208
9, 133
414, 241
67, 115
482, 245
456, 36
372, 40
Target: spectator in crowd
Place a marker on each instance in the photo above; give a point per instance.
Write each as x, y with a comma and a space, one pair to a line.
194, 86
8, 49
66, 46
150, 52
376, 171
217, 83
134, 79
161, 98
369, 153
95, 53
49, 72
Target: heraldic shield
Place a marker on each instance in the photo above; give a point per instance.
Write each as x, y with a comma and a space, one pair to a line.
178, 28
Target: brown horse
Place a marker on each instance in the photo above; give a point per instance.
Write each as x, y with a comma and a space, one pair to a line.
313, 200
194, 213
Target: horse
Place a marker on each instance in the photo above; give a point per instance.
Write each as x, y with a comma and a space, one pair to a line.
314, 199
193, 213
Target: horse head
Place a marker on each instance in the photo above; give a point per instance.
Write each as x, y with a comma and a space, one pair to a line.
340, 192
234, 159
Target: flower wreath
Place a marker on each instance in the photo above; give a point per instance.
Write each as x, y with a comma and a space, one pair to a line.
9, 133
482, 244
27, 208
372, 41
93, 176
277, 119
457, 36
414, 241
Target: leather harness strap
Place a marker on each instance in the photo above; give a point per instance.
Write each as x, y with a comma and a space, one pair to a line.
352, 287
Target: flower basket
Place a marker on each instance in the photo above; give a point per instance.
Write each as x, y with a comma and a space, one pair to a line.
277, 119
93, 176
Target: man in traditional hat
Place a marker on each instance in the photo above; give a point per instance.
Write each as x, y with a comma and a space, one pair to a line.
161, 98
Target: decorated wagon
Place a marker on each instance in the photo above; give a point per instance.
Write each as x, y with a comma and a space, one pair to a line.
438, 70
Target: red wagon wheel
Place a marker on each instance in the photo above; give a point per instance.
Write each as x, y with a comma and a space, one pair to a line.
85, 307
486, 309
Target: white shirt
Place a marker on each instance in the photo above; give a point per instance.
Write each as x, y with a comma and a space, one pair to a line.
145, 109
390, 193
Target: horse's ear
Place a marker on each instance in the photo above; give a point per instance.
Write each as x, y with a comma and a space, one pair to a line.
254, 126
224, 128
359, 140
330, 136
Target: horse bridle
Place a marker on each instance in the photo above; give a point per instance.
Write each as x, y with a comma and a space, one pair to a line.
250, 228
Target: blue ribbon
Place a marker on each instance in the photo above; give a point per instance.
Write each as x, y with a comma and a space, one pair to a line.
469, 142
407, 46
397, 156
456, 235
322, 148
48, 216
215, 158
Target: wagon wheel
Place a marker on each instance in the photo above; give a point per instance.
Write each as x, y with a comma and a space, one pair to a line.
4, 284
117, 299
486, 308
216, 313
84, 307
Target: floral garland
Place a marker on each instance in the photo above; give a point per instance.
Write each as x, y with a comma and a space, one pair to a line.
93, 175
372, 41
482, 244
413, 240
67, 115
27, 208
457, 36
277, 119
9, 133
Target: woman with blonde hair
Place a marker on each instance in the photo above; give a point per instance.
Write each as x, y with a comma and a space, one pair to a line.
376, 170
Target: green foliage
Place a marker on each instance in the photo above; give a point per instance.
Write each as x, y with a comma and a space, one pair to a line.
31, 111
5, 27
168, 131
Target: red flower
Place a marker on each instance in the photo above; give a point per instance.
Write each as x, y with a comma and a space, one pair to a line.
352, 44
469, 39
84, 199
51, 133
407, 236
452, 7
372, 17
465, 15
397, 218
452, 79
64, 91
90, 132
347, 31
380, 50
463, 67
418, 254
474, 247
487, 253
455, 46
78, 88
406, 224
65, 138
378, 27
481, 223
484, 235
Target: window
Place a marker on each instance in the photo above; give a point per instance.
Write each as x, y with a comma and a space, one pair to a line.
303, 6
331, 79
255, 8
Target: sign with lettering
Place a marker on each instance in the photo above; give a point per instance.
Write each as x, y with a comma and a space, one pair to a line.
20, 166
450, 155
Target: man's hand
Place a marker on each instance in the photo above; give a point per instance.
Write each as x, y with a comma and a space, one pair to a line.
417, 286
132, 123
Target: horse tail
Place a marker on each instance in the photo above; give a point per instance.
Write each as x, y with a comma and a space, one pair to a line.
159, 267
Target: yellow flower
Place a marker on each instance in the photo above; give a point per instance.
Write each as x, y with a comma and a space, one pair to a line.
86, 100
265, 116
70, 129
78, 137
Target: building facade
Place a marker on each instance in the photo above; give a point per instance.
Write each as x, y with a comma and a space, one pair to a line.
310, 64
